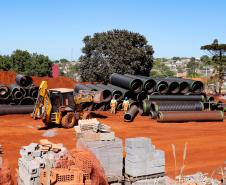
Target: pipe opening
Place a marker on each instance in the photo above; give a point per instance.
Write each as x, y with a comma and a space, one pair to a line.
18, 95
150, 86
136, 86
197, 87
162, 88
127, 117
174, 87
184, 87
27, 101
141, 96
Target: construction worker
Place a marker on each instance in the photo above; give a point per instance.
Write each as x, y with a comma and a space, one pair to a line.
113, 105
125, 105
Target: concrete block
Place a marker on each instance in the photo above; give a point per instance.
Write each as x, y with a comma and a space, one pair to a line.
138, 142
107, 136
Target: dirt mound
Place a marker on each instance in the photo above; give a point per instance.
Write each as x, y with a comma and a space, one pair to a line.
8, 77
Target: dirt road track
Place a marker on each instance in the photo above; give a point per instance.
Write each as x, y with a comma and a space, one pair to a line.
206, 141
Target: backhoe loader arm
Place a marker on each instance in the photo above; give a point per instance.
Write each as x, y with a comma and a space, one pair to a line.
42, 95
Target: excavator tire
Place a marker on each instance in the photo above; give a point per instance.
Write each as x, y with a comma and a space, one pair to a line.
69, 120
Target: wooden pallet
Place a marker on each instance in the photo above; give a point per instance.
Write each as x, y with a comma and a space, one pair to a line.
115, 179
132, 179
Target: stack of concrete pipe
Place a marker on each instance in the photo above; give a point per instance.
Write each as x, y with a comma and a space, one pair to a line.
150, 96
19, 97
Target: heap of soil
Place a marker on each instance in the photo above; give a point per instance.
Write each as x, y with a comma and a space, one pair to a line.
8, 77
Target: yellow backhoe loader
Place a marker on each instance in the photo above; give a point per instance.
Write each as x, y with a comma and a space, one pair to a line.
61, 106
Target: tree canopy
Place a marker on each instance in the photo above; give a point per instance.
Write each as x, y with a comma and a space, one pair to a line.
26, 63
161, 70
218, 60
118, 51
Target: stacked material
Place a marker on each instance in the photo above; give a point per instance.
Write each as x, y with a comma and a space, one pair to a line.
23, 94
109, 153
142, 158
93, 130
36, 157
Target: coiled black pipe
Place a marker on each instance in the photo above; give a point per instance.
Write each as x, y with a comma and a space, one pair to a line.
177, 106
23, 81
27, 101
16, 109
135, 85
131, 113
116, 93
33, 91
4, 92
17, 92
125, 92
177, 97
149, 85
105, 92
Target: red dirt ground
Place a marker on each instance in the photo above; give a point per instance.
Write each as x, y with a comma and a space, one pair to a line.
7, 77
206, 141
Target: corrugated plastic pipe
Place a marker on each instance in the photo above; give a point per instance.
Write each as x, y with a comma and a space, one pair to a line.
116, 93
177, 106
135, 85
79, 87
125, 92
16, 109
23, 81
177, 97
4, 92
131, 113
149, 85
17, 92
27, 101
186, 116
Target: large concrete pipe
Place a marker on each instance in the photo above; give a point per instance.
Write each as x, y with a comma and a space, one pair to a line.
116, 93
125, 92
185, 116
105, 92
131, 113
23, 81
135, 85
17, 92
16, 109
177, 97
149, 85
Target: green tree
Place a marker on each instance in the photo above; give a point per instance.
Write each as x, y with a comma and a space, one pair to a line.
218, 60
206, 60
5, 63
20, 59
118, 51
39, 65
161, 70
192, 67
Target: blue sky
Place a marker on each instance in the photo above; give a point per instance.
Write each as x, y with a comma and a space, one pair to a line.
56, 27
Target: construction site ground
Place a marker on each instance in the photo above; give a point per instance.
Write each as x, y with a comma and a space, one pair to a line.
206, 146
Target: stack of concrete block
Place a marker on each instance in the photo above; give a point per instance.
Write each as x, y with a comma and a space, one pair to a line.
142, 158
109, 153
36, 157
93, 130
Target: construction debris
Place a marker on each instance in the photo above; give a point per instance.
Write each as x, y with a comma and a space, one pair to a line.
142, 158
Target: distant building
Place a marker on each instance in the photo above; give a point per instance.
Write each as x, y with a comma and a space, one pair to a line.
55, 70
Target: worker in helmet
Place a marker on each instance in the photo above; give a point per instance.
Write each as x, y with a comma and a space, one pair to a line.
125, 105
113, 105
